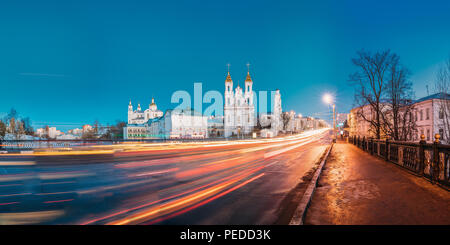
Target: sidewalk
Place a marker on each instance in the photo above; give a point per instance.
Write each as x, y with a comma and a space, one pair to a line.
356, 188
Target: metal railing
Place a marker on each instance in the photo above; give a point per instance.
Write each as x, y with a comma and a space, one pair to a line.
431, 160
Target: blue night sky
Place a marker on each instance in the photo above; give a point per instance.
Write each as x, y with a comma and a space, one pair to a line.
67, 63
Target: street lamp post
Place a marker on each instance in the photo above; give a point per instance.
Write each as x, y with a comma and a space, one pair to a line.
327, 98
334, 123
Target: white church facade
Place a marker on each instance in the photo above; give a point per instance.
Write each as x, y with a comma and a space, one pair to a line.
239, 110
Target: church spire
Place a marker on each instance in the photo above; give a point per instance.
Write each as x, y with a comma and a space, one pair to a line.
228, 79
248, 78
130, 106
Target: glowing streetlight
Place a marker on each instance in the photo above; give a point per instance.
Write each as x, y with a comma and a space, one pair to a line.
328, 98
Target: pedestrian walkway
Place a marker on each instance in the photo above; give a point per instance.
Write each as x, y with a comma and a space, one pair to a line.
356, 188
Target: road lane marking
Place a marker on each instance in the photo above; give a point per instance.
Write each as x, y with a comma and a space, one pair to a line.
12, 163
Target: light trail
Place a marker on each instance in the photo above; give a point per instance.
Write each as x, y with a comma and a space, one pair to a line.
158, 181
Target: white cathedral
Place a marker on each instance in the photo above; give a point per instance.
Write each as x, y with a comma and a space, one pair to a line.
239, 117
239, 110
140, 117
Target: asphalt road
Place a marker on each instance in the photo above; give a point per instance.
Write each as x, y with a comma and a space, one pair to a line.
240, 182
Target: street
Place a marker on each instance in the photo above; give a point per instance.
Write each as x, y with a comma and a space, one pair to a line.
237, 182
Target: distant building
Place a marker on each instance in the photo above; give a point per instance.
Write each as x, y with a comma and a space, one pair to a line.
290, 127
86, 128
273, 119
341, 118
299, 123
50, 132
215, 126
173, 124
140, 117
67, 137
75, 131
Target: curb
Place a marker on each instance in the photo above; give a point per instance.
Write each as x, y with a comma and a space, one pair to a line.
300, 212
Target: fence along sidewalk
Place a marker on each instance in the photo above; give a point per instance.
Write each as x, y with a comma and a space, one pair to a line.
429, 160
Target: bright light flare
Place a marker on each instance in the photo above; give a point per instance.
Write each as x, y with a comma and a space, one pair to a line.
327, 98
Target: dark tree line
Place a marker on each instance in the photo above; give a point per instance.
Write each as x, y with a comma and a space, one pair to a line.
13, 124
108, 132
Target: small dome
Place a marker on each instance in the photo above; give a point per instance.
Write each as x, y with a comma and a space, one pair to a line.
248, 78
228, 80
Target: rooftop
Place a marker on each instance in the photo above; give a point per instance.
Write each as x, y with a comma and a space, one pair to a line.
434, 96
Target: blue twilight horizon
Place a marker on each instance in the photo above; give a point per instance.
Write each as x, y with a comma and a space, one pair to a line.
68, 63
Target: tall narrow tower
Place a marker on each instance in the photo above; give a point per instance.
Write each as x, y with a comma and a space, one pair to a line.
130, 112
277, 123
250, 108
228, 120
248, 94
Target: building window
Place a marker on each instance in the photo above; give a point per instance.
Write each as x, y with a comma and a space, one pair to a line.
441, 133
441, 113
416, 117
428, 135
428, 113
421, 115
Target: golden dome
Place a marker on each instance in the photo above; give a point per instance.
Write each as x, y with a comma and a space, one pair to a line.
228, 78
248, 78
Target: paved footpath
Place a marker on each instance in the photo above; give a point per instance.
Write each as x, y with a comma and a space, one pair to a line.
356, 188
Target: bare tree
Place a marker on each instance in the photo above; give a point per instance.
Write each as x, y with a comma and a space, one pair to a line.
2, 130
398, 121
46, 133
370, 81
20, 130
442, 86
286, 118
27, 126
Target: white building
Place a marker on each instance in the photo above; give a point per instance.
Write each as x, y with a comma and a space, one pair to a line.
429, 115
274, 118
75, 131
140, 117
86, 128
277, 122
300, 123
427, 112
51, 132
173, 124
67, 137
239, 110
215, 126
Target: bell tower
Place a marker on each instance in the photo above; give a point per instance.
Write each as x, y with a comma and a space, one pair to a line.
130, 112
